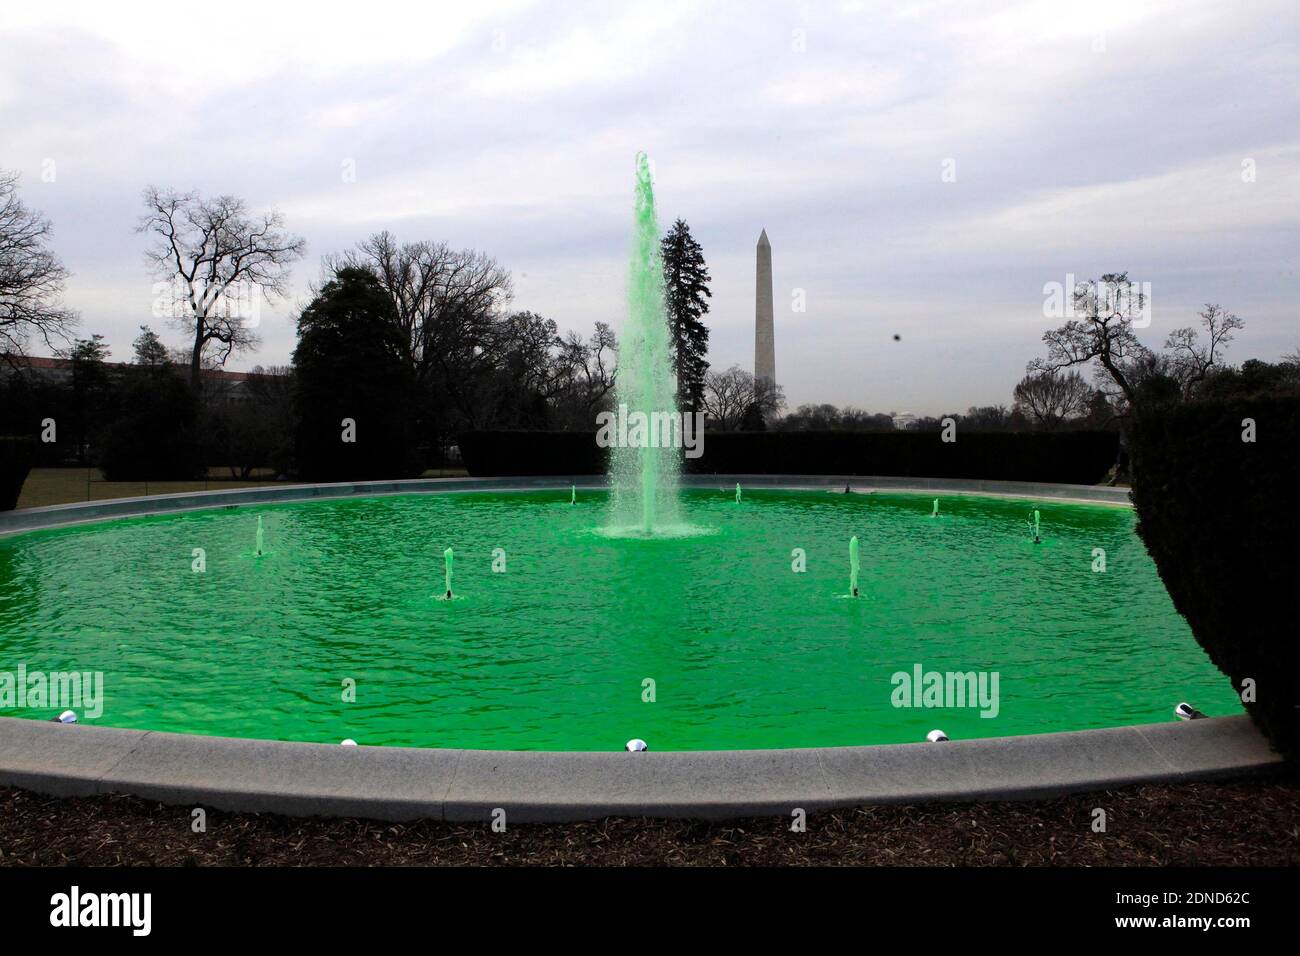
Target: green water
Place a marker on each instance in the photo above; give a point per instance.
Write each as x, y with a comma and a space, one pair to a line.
553, 652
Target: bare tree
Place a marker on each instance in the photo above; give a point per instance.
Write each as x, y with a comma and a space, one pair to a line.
445, 299
528, 345
768, 400
992, 418
1103, 334
1192, 359
1052, 397
586, 375
544, 379
221, 260
726, 397
31, 277
447, 306
732, 396
826, 417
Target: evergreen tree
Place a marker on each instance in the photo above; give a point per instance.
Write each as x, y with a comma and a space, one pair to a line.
149, 350
686, 291
159, 433
348, 365
92, 391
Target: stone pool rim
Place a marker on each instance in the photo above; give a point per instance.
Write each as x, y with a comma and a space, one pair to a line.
401, 783
405, 783
54, 516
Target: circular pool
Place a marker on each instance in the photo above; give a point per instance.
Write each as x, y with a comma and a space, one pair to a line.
736, 633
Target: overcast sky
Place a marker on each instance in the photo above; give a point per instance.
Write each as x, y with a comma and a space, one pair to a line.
1158, 138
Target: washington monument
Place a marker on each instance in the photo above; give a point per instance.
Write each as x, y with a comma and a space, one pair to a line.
764, 342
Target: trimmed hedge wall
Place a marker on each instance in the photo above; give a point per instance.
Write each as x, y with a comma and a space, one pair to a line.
1218, 515
507, 453
156, 436
16, 457
1077, 457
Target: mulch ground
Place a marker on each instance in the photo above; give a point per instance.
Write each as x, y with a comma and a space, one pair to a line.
1242, 823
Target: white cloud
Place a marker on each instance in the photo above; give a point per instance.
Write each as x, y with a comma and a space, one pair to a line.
512, 127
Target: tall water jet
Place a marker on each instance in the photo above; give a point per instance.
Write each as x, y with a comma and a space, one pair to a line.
935, 512
446, 555
643, 472
853, 566
737, 492
1037, 539
259, 536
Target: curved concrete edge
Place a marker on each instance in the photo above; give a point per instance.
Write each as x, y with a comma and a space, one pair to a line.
396, 783
869, 484
34, 519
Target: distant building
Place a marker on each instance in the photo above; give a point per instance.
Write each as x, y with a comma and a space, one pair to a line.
227, 386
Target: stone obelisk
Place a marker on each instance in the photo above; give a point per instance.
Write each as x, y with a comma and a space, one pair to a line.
764, 342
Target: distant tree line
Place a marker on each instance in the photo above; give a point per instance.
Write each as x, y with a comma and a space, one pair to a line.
141, 420
405, 345
415, 343
1102, 338
412, 342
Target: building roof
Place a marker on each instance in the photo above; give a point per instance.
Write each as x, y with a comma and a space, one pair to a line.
41, 362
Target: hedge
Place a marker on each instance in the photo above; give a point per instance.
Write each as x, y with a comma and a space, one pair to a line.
24, 406
1218, 517
1074, 457
532, 453
156, 437
16, 457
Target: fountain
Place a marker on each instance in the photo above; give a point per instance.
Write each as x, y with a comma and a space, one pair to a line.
1037, 539
573, 494
548, 658
644, 478
935, 512
853, 566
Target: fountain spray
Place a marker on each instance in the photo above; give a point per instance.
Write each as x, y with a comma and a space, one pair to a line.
573, 494
259, 536
1037, 539
446, 555
644, 478
853, 565
935, 512
737, 492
